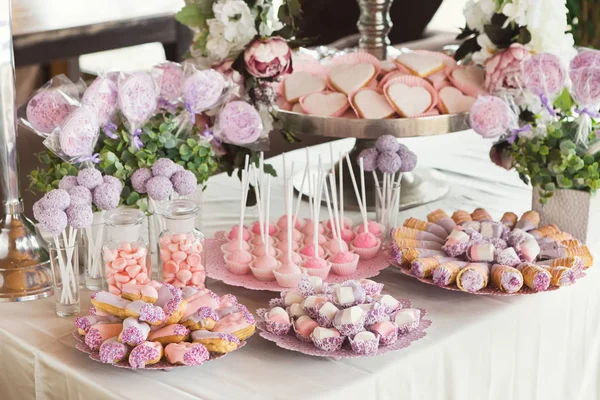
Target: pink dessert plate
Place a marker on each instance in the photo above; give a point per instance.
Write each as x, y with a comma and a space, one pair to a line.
291, 342
486, 291
161, 365
216, 269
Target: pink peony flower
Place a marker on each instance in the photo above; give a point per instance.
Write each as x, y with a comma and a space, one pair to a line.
501, 155
268, 58
502, 70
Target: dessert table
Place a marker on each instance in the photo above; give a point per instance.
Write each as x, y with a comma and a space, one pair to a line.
543, 346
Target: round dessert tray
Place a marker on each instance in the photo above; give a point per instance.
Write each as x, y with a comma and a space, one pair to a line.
291, 342
216, 269
161, 365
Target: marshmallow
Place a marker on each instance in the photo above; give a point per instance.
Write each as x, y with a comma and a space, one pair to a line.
407, 316
296, 310
386, 300
457, 236
279, 315
328, 310
364, 336
317, 284
292, 297
312, 301
491, 229
344, 295
350, 315
324, 333
481, 252
475, 225
530, 249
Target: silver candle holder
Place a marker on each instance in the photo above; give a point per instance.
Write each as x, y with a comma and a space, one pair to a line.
24, 263
374, 25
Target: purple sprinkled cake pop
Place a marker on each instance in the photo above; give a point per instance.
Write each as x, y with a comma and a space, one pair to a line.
79, 132
67, 182
202, 90
409, 161
138, 97
80, 195
140, 178
53, 221
106, 196
401, 149
102, 97
171, 82
389, 163
37, 210
80, 216
164, 167
89, 178
47, 109
369, 157
159, 188
184, 182
387, 144
57, 198
111, 180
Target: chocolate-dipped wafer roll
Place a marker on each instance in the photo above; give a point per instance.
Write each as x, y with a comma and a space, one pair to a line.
544, 231
558, 237
529, 221
457, 242
473, 277
561, 276
481, 215
482, 252
424, 267
509, 219
426, 226
508, 257
574, 263
472, 225
506, 279
439, 217
492, 229
402, 232
445, 274
551, 250
422, 244
461, 216
410, 254
535, 277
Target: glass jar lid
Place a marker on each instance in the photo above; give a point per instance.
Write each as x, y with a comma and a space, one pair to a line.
179, 209
124, 216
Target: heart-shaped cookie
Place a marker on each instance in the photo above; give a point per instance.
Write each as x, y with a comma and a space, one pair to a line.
370, 104
420, 64
297, 108
348, 78
409, 101
469, 80
452, 101
302, 83
325, 104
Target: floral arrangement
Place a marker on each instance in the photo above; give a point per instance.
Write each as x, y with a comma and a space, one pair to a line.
548, 127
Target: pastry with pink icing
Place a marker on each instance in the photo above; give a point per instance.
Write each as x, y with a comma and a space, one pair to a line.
99, 333
110, 303
169, 334
171, 300
83, 324
241, 324
186, 353
147, 353
205, 299
112, 351
216, 342
146, 312
146, 293
203, 318
134, 332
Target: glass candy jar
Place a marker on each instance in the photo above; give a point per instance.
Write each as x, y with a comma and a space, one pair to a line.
181, 245
125, 253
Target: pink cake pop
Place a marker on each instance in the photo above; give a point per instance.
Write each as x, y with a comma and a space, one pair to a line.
309, 250
373, 227
283, 235
47, 109
321, 239
282, 223
283, 245
257, 241
334, 246
101, 95
365, 240
261, 250
309, 227
233, 245
233, 233
256, 228
296, 258
342, 257
241, 257
347, 235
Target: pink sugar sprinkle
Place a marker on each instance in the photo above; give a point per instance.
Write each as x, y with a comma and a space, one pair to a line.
180, 330
150, 313
229, 338
132, 335
141, 354
92, 310
82, 323
93, 339
93, 295
196, 355
247, 315
172, 305
207, 312
214, 295
112, 352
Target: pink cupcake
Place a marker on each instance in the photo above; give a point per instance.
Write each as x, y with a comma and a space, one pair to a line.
344, 263
317, 267
289, 274
366, 245
239, 262
262, 268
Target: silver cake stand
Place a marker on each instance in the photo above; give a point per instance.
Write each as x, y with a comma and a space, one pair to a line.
421, 186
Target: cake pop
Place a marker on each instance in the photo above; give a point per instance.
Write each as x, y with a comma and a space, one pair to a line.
140, 178
283, 235
369, 157
184, 182
89, 178
261, 250
373, 227
309, 250
387, 144
106, 196
256, 228
159, 188
233, 245
56, 198
321, 239
67, 182
164, 167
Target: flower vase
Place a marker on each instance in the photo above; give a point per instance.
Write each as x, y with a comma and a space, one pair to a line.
573, 211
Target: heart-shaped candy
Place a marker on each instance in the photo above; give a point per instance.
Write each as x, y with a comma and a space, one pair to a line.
370, 104
348, 78
453, 101
300, 84
469, 80
420, 64
325, 104
409, 101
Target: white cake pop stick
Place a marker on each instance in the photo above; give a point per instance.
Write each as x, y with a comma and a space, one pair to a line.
377, 186
258, 203
288, 210
331, 216
356, 192
336, 215
268, 214
300, 194
341, 175
364, 196
243, 207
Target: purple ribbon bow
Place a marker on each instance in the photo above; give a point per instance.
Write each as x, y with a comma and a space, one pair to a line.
188, 107
546, 103
591, 113
210, 136
135, 139
515, 133
95, 158
110, 130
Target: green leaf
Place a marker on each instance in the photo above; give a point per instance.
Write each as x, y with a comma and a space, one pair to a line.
524, 36
191, 15
564, 101
132, 198
294, 8
170, 143
467, 47
184, 150
191, 142
151, 147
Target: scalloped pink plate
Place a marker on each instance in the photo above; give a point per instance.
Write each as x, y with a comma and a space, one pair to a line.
486, 291
215, 268
161, 365
291, 342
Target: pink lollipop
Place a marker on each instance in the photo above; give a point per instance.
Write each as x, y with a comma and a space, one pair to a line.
202, 90
586, 86
102, 96
78, 133
239, 123
543, 74
585, 59
47, 109
172, 81
138, 98
490, 116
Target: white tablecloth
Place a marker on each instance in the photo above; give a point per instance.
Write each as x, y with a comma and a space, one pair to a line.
544, 346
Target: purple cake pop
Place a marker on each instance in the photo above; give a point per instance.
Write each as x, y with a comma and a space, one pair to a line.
184, 182
102, 97
80, 216
171, 82
80, 195
164, 167
106, 196
202, 90
138, 98
159, 188
113, 181
401, 148
37, 210
409, 161
47, 109
369, 157
389, 163
89, 178
57, 198
140, 178
387, 144
53, 221
67, 182
79, 132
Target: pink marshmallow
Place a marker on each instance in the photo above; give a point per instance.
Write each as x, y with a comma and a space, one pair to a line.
179, 256
170, 267
111, 279
178, 283
184, 275
183, 266
178, 237
133, 270
110, 254
198, 278
194, 260
173, 247
114, 290
122, 277
125, 247
165, 254
132, 262
119, 264
126, 255
142, 278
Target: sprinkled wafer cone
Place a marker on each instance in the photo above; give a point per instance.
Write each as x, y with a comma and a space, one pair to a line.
411, 254
571, 243
439, 217
480, 269
561, 276
424, 267
461, 216
445, 274
574, 263
584, 253
535, 277
509, 219
529, 220
559, 236
545, 231
426, 226
506, 279
407, 243
402, 232
481, 215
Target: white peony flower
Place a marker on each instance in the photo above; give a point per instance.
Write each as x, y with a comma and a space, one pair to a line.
217, 46
516, 11
272, 23
487, 49
479, 13
237, 19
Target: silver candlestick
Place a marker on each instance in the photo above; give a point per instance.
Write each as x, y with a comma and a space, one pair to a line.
374, 25
24, 264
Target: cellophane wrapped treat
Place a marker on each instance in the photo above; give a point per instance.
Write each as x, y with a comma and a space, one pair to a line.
585, 79
138, 97
102, 95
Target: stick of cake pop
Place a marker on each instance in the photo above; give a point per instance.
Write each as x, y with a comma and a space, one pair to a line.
310, 186
364, 196
243, 207
341, 175
69, 243
268, 214
288, 209
300, 194
66, 294
329, 211
377, 186
332, 168
336, 214
356, 192
336, 234
258, 203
